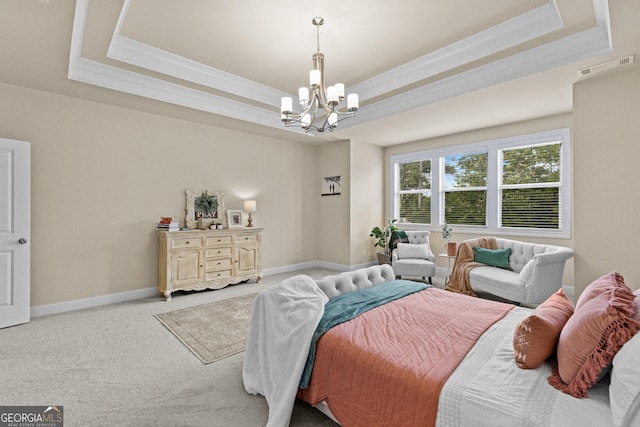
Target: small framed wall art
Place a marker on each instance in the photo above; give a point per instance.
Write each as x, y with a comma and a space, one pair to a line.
235, 218
331, 186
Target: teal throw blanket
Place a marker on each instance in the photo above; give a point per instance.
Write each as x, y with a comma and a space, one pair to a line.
345, 307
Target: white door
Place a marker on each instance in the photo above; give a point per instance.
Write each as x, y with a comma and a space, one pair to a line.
15, 232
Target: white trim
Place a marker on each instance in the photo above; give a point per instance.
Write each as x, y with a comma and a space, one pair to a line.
79, 304
491, 147
542, 58
539, 21
522, 28
142, 55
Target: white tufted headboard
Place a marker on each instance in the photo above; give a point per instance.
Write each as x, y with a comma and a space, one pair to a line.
350, 281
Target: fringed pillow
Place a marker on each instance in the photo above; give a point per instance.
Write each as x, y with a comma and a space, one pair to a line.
601, 324
536, 336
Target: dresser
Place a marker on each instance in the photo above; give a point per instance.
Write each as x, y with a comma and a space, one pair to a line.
208, 259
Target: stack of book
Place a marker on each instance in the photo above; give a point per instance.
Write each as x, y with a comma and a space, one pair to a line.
169, 223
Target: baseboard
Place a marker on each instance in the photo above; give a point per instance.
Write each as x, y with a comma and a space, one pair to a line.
79, 304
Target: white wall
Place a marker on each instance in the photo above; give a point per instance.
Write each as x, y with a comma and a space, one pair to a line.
607, 169
103, 175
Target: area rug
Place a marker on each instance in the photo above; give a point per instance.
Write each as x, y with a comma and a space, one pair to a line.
212, 331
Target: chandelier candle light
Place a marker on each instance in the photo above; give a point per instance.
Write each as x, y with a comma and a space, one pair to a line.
319, 103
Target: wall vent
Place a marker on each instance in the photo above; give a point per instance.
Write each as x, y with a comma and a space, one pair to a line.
606, 66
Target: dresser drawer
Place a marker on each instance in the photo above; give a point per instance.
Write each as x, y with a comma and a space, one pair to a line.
213, 275
217, 264
224, 251
218, 241
186, 242
246, 238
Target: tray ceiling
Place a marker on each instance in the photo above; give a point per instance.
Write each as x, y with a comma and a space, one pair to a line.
408, 61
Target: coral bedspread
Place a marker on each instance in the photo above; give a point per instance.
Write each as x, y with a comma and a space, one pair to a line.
389, 364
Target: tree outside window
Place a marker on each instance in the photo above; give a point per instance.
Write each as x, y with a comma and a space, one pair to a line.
530, 187
465, 189
415, 192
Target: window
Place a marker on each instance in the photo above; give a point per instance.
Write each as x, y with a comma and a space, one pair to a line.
464, 191
414, 202
518, 186
530, 187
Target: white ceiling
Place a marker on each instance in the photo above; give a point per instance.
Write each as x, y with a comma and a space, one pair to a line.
422, 68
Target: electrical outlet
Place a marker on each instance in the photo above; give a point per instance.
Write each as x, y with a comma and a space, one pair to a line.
364, 252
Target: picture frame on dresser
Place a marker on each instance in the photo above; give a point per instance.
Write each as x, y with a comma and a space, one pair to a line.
235, 218
193, 213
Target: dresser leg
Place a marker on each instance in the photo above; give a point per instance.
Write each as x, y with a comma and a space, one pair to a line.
258, 279
167, 295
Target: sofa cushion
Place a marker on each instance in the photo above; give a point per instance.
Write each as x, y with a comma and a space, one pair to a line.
409, 250
495, 258
414, 267
525, 273
536, 336
498, 281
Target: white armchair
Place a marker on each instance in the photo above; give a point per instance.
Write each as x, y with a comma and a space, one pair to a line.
414, 258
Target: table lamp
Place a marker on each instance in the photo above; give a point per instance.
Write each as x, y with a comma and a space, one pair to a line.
249, 206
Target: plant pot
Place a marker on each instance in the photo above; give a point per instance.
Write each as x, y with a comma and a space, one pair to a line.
203, 223
383, 258
452, 248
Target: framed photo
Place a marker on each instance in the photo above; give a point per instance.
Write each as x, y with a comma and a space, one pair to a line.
235, 218
331, 186
205, 204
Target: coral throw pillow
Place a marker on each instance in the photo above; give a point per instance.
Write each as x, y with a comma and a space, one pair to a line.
536, 336
601, 323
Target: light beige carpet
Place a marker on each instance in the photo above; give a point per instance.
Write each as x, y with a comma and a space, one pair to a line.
212, 331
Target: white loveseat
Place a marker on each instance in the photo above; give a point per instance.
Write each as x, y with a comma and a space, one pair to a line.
537, 272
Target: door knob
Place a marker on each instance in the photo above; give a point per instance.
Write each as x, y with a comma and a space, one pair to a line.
22, 241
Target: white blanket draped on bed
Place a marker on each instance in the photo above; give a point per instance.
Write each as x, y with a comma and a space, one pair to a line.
489, 390
283, 320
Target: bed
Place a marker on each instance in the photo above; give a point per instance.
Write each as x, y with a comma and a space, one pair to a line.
451, 362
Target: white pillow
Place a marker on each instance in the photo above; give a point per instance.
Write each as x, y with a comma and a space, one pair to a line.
624, 390
410, 250
525, 273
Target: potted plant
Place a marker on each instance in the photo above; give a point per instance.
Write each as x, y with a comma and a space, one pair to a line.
382, 234
206, 204
446, 235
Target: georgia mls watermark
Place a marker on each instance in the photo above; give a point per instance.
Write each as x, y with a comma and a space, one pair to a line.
31, 416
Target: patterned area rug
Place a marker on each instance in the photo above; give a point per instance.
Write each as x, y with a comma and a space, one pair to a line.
212, 331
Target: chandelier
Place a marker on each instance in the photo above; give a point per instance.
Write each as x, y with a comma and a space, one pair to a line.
320, 104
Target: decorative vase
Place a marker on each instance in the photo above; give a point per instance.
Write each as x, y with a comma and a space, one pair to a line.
452, 247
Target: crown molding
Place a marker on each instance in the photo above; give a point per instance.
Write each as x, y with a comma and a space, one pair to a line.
524, 27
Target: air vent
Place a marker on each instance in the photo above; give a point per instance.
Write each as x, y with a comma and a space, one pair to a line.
606, 66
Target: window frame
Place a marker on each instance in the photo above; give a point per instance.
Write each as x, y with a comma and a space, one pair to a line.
494, 176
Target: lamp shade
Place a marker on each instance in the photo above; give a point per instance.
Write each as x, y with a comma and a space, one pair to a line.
249, 205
